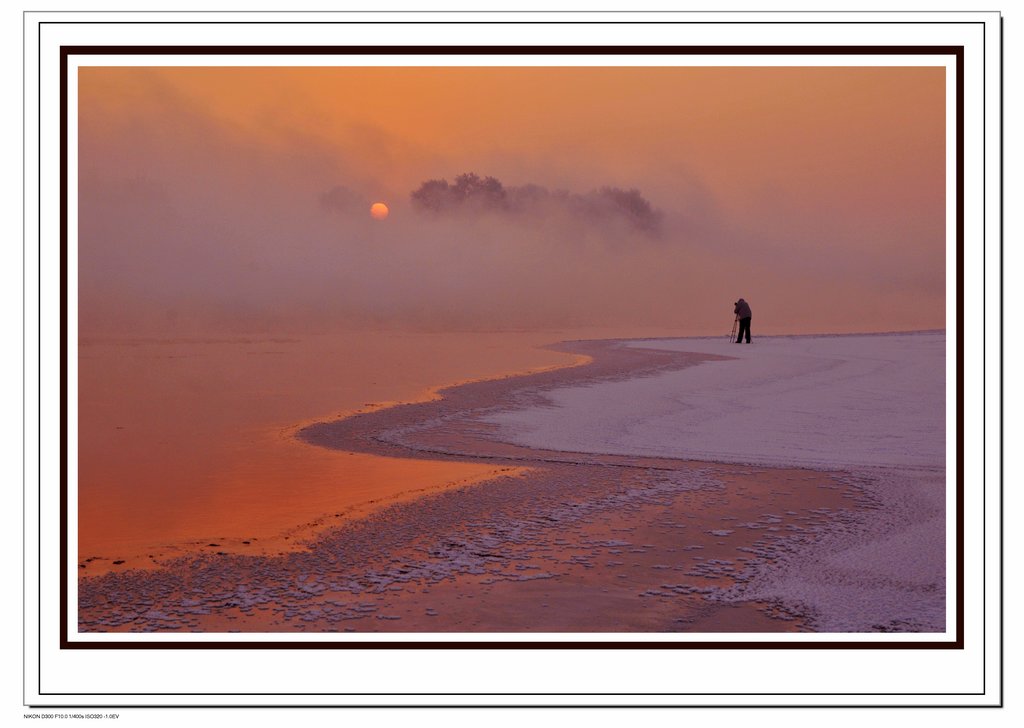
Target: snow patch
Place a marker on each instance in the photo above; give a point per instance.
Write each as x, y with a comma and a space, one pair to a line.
825, 402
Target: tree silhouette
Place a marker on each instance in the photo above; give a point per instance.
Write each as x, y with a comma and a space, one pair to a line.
470, 193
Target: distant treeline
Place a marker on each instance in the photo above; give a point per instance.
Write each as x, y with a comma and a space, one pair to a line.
471, 193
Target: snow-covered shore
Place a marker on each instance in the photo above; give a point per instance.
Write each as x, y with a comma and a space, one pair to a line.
824, 402
871, 406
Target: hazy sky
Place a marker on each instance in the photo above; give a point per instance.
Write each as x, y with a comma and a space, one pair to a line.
238, 198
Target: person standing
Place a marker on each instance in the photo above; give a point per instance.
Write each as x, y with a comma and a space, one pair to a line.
742, 311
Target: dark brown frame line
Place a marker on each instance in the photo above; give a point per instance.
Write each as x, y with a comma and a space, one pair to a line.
66, 51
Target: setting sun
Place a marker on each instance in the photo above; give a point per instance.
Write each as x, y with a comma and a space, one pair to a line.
379, 211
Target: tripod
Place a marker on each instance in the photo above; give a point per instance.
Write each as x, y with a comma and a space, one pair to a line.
735, 323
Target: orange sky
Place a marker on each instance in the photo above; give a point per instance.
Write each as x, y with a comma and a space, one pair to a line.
816, 193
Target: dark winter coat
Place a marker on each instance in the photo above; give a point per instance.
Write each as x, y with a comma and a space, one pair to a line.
742, 309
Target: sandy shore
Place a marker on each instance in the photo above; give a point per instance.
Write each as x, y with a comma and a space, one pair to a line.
567, 542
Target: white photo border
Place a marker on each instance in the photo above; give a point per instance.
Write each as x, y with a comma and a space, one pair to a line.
85, 670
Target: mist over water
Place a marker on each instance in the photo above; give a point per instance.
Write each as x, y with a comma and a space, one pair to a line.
226, 200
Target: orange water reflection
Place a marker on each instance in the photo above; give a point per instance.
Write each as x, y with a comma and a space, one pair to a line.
189, 442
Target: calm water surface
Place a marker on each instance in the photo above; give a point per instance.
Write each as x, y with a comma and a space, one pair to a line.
187, 441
